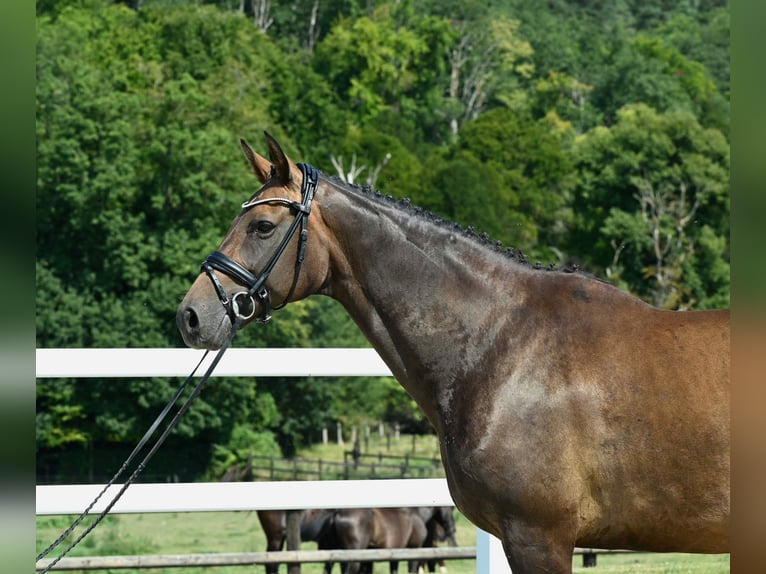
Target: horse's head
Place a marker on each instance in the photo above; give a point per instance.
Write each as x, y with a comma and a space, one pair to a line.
444, 516
264, 261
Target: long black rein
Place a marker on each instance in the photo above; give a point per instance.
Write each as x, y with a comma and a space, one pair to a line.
239, 313
161, 439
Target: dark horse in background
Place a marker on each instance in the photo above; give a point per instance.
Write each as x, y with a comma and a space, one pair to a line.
436, 534
359, 528
569, 413
316, 526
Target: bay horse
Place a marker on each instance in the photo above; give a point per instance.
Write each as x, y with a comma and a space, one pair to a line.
359, 528
440, 528
569, 413
316, 526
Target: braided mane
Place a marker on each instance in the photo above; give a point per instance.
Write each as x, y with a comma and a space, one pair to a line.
480, 237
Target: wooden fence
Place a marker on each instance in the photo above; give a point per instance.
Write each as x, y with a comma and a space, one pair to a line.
291, 496
239, 496
273, 468
291, 557
286, 556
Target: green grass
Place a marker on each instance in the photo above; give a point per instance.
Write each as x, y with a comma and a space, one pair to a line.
417, 446
424, 445
657, 564
210, 532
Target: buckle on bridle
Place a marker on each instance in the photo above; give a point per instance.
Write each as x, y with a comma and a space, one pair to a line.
264, 295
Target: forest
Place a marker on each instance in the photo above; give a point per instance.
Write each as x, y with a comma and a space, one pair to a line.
579, 132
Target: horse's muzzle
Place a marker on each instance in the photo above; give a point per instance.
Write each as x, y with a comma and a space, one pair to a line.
203, 326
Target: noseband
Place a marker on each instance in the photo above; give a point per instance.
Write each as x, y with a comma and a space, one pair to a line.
242, 304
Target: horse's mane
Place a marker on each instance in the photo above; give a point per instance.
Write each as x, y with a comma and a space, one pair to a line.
480, 237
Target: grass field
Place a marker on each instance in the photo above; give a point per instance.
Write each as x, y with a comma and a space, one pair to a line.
210, 532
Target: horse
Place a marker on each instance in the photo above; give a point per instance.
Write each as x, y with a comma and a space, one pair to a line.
569, 412
239, 472
388, 528
440, 527
316, 525
435, 534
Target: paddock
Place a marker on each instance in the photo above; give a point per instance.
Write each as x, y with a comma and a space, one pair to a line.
238, 496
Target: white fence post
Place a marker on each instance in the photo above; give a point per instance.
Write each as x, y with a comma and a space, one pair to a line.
490, 556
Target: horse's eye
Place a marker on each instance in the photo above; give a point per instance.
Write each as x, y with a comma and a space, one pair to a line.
261, 227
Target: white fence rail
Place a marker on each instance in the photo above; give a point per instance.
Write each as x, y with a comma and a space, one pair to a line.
102, 363
229, 496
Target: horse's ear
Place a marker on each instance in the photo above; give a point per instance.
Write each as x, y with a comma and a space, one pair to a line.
284, 165
261, 166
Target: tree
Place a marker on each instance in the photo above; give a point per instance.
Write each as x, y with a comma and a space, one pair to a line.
566, 98
138, 175
652, 205
703, 39
486, 64
662, 54
384, 62
522, 175
391, 167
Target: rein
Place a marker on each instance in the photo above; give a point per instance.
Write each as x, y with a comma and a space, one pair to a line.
240, 307
242, 303
161, 439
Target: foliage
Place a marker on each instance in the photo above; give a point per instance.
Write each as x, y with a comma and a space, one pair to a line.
661, 184
585, 131
509, 176
243, 443
382, 62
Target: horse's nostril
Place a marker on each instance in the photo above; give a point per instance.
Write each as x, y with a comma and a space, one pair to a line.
191, 319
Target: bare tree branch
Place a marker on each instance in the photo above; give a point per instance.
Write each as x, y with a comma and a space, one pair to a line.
373, 177
667, 213
353, 172
261, 16
313, 32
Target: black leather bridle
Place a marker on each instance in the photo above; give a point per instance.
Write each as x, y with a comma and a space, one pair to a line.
241, 305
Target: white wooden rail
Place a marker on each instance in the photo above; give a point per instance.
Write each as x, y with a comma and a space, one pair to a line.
104, 363
229, 496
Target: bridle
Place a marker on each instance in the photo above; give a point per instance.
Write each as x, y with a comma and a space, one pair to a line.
242, 305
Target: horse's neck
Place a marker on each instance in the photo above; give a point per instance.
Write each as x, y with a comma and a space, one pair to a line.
425, 296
